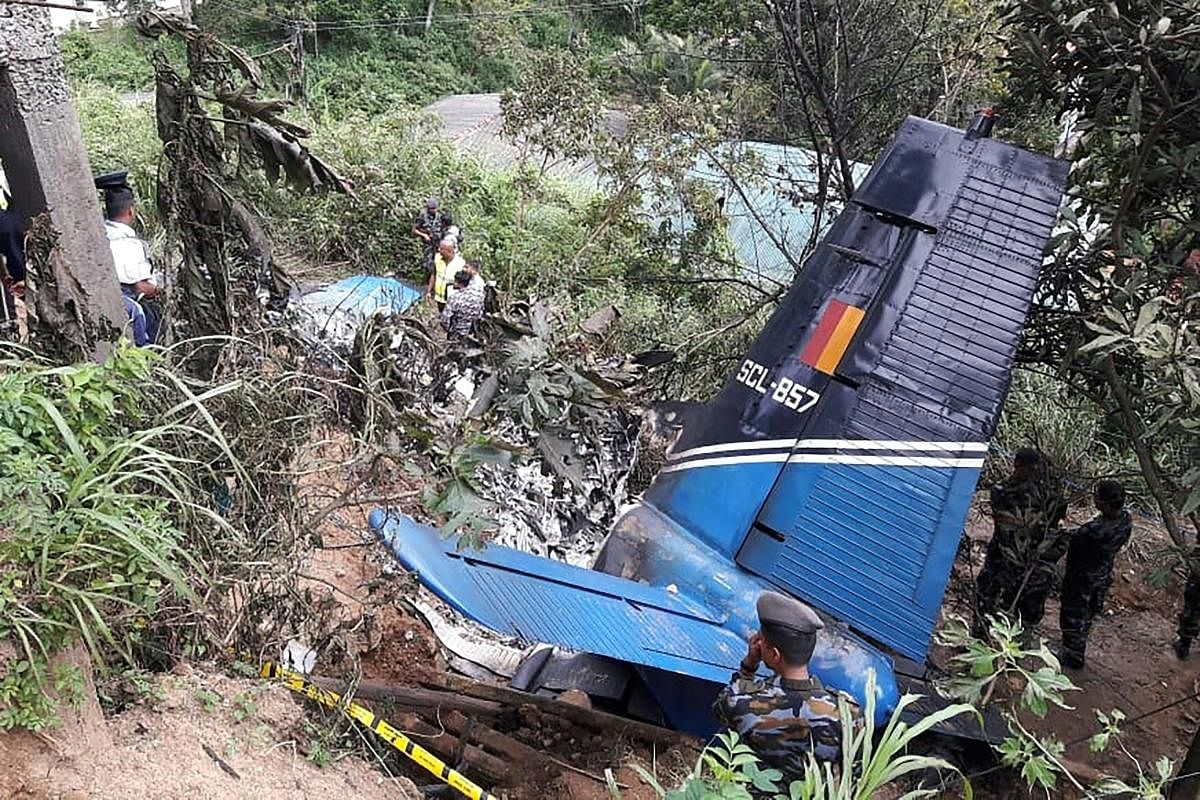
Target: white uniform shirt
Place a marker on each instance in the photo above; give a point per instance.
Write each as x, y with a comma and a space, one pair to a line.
129, 254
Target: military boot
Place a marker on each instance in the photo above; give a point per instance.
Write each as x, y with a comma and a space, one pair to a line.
1069, 659
1183, 646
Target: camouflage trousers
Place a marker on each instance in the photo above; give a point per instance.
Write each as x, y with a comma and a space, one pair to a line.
1002, 586
1189, 619
1082, 601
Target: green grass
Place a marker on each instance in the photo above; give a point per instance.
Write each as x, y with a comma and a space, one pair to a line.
116, 57
98, 499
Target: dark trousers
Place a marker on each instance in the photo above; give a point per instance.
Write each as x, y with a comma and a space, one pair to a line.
1012, 588
1082, 602
1189, 620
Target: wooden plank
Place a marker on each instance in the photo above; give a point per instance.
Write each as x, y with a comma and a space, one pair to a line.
475, 760
599, 720
413, 697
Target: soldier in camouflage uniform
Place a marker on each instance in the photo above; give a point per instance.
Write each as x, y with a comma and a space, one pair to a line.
788, 716
1089, 569
1020, 565
1189, 618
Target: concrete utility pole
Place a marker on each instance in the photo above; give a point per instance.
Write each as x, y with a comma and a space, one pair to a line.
74, 302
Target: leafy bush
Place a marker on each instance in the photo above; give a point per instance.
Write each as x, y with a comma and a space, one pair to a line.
119, 133
89, 541
1022, 677
1045, 412
115, 57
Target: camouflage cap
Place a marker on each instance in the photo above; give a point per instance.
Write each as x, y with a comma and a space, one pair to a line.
787, 612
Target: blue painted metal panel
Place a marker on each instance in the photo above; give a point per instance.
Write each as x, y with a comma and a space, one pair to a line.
717, 504
540, 600
871, 543
699, 631
939, 252
363, 295
652, 547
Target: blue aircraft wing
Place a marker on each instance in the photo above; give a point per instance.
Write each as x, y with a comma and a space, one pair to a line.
539, 600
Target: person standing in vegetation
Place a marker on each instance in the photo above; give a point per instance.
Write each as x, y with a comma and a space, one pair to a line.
1019, 568
790, 715
1189, 618
464, 307
431, 227
446, 264
131, 258
1089, 570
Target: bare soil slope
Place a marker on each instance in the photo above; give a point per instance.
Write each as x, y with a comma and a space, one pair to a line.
1130, 663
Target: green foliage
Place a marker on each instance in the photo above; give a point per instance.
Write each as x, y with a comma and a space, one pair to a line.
1037, 758
90, 545
1111, 726
106, 466
322, 743
114, 57
1150, 786
1119, 298
668, 61
209, 700
119, 133
1068, 427
451, 490
982, 666
129, 686
244, 706
728, 769
709, 17
374, 57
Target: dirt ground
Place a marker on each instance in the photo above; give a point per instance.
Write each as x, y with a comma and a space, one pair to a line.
199, 733
1130, 663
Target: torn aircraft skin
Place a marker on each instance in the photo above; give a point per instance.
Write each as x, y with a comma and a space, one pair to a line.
838, 462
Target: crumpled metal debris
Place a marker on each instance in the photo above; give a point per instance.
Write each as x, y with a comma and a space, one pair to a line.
328, 318
562, 500
560, 497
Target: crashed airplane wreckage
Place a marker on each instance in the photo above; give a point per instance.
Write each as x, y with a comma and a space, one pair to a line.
837, 464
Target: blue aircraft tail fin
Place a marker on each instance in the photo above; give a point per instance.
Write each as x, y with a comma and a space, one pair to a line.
839, 460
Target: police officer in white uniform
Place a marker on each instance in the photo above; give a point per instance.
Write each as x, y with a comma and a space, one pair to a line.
140, 285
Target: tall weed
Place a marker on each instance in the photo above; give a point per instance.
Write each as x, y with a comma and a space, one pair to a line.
90, 536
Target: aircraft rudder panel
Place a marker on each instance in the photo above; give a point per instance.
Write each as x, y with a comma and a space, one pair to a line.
840, 459
889, 475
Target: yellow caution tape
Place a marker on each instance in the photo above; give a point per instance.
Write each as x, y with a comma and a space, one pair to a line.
382, 729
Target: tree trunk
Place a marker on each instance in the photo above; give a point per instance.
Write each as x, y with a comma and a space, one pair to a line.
1149, 467
74, 302
429, 15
